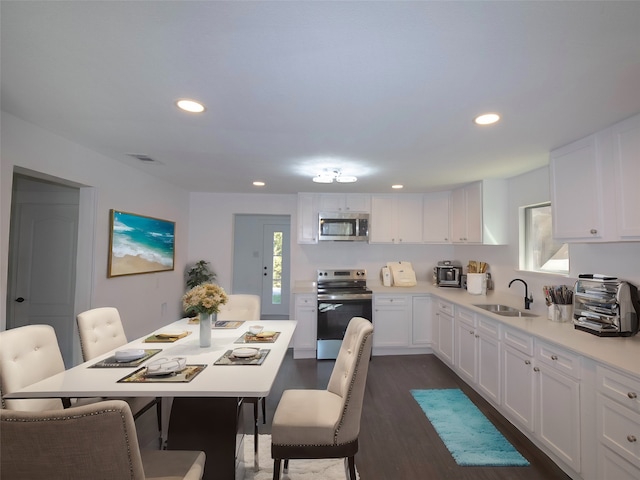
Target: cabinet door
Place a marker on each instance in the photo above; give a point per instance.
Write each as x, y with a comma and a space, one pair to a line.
357, 203
489, 364
558, 415
391, 321
465, 350
382, 219
421, 321
408, 215
518, 387
474, 206
576, 191
435, 217
307, 218
445, 337
305, 314
626, 155
458, 216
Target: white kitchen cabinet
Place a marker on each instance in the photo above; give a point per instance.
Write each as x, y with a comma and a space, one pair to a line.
618, 424
626, 159
305, 335
558, 402
489, 378
444, 342
307, 218
465, 345
391, 320
349, 202
421, 321
577, 198
396, 219
518, 381
479, 213
436, 217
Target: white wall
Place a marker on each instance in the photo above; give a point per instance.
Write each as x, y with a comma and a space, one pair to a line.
141, 299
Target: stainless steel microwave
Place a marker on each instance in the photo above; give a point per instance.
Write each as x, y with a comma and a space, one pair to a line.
345, 227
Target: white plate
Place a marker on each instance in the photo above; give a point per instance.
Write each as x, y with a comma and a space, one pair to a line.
165, 366
244, 352
129, 355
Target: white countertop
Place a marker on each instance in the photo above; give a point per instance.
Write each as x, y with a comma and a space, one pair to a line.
619, 352
213, 381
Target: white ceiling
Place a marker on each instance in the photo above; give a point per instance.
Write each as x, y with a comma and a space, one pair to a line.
384, 90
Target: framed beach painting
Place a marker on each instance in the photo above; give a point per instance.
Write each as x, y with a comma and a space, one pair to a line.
139, 244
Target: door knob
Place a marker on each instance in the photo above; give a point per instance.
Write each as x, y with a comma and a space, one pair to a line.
19, 299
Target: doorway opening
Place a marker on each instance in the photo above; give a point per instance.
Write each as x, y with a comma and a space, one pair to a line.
261, 250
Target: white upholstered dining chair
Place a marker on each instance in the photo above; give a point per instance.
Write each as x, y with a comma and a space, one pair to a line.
96, 441
246, 307
326, 423
100, 331
29, 354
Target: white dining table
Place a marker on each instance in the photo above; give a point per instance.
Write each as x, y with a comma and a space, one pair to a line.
207, 411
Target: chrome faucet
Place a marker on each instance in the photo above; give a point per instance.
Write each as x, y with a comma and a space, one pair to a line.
528, 299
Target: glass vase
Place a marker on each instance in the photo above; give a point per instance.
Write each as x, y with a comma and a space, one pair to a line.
206, 320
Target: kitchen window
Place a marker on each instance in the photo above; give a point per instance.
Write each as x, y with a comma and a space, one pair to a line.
539, 252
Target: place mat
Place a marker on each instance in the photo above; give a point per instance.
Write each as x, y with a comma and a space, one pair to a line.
110, 362
227, 324
249, 337
157, 339
184, 376
228, 359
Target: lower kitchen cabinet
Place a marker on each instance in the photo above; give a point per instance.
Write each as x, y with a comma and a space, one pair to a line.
618, 429
421, 321
443, 331
391, 320
306, 334
466, 351
489, 362
518, 386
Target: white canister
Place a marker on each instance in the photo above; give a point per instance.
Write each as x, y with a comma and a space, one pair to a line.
477, 283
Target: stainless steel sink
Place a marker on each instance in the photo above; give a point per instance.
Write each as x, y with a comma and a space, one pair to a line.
504, 310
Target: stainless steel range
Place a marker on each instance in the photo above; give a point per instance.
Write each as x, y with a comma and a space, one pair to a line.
342, 295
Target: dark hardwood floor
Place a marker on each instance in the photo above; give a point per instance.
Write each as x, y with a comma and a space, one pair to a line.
396, 439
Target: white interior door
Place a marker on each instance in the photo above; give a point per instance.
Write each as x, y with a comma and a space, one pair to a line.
42, 286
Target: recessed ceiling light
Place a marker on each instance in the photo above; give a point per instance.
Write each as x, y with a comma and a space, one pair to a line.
259, 184
190, 106
398, 186
486, 119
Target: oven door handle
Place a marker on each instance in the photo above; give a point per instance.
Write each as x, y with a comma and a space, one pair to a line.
344, 296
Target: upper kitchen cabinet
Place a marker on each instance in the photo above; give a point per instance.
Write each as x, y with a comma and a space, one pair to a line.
626, 166
350, 202
594, 186
435, 219
396, 219
479, 213
576, 190
307, 218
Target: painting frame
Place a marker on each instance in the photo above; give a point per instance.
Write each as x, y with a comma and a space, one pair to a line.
139, 244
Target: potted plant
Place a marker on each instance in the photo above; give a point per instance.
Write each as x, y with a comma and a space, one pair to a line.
198, 274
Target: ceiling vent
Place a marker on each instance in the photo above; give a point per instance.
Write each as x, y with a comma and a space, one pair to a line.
143, 158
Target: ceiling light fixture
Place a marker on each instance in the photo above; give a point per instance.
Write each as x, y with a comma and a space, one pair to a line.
486, 119
258, 184
329, 175
190, 106
397, 186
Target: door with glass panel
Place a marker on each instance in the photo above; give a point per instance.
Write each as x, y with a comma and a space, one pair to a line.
275, 279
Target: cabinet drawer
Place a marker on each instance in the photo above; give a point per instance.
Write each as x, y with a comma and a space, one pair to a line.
306, 300
387, 300
467, 316
619, 428
621, 388
518, 340
444, 307
559, 359
488, 328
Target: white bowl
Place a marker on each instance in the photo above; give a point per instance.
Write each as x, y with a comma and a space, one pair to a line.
255, 329
129, 355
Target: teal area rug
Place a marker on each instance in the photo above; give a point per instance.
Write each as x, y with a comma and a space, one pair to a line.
470, 437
